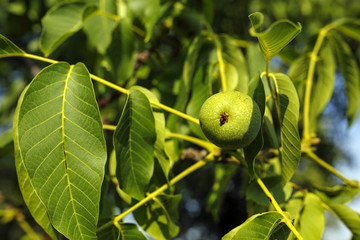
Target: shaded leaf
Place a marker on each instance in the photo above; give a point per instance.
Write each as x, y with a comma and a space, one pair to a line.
255, 60
148, 11
280, 232
61, 148
312, 221
337, 194
323, 84
257, 227
256, 92
298, 73
7, 48
256, 194
349, 217
134, 140
99, 27
276, 37
289, 118
158, 217
256, 20
59, 23
126, 231
349, 27
350, 71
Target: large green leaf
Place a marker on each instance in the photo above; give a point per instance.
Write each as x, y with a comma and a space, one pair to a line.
257, 227
276, 37
350, 27
31, 197
323, 85
289, 118
61, 148
134, 140
158, 218
350, 71
59, 23
159, 147
99, 27
349, 217
337, 194
125, 231
7, 48
312, 221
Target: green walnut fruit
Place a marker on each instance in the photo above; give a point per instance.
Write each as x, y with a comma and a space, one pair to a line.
230, 120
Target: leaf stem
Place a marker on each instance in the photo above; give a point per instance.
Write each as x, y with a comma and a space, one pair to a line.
278, 209
309, 82
221, 64
197, 141
111, 85
160, 190
330, 168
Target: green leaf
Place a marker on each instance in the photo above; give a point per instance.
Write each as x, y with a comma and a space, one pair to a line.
61, 151
255, 60
349, 27
255, 193
280, 232
323, 83
298, 73
337, 194
270, 129
126, 231
236, 70
256, 20
134, 140
276, 37
257, 227
349, 217
7, 48
99, 27
256, 92
350, 71
158, 218
31, 196
59, 23
159, 147
289, 118
148, 11
223, 175
312, 221
120, 67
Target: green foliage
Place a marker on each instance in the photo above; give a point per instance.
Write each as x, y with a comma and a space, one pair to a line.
87, 155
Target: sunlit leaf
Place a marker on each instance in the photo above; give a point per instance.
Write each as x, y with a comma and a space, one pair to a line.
349, 27
7, 48
350, 71
31, 196
61, 148
126, 231
256, 92
349, 217
312, 221
276, 37
99, 27
158, 218
323, 85
59, 23
134, 140
289, 118
257, 227
159, 147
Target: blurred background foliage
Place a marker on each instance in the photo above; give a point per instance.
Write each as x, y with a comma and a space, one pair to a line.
157, 64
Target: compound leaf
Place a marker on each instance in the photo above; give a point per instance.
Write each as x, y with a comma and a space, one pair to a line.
61, 148
134, 140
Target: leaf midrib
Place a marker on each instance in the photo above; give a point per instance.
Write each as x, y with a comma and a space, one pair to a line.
64, 148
